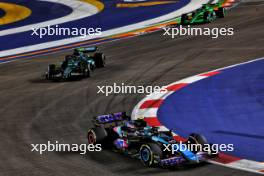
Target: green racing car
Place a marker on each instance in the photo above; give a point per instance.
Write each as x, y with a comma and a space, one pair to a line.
206, 14
81, 63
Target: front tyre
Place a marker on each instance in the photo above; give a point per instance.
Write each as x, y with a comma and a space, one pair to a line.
150, 154
209, 17
87, 72
198, 140
221, 12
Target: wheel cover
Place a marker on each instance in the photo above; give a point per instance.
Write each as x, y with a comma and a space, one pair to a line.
145, 154
91, 138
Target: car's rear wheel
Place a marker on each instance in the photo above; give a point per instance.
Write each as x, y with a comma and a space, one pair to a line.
183, 19
96, 135
150, 154
100, 60
51, 71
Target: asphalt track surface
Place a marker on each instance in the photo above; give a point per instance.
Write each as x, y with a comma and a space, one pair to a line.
35, 111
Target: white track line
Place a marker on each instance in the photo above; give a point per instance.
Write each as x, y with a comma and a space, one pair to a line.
193, 5
80, 10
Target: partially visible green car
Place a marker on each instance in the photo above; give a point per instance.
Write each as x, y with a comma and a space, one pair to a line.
82, 62
206, 14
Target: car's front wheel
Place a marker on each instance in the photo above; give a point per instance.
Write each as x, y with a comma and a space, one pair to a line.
209, 16
198, 140
150, 154
87, 72
220, 12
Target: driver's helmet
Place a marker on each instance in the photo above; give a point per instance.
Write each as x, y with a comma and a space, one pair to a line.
147, 128
140, 123
130, 124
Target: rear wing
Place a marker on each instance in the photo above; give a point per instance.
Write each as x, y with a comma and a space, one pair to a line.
214, 5
91, 49
115, 117
86, 50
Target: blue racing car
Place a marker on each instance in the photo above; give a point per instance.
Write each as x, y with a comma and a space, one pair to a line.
153, 147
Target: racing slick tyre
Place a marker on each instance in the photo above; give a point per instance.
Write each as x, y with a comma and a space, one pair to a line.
87, 72
150, 154
51, 71
96, 135
209, 16
67, 77
221, 12
99, 59
197, 139
183, 18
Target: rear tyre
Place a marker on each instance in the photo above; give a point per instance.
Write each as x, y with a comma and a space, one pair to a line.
96, 135
51, 71
183, 19
150, 154
100, 60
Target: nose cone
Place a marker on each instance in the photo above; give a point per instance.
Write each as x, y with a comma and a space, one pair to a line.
188, 155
